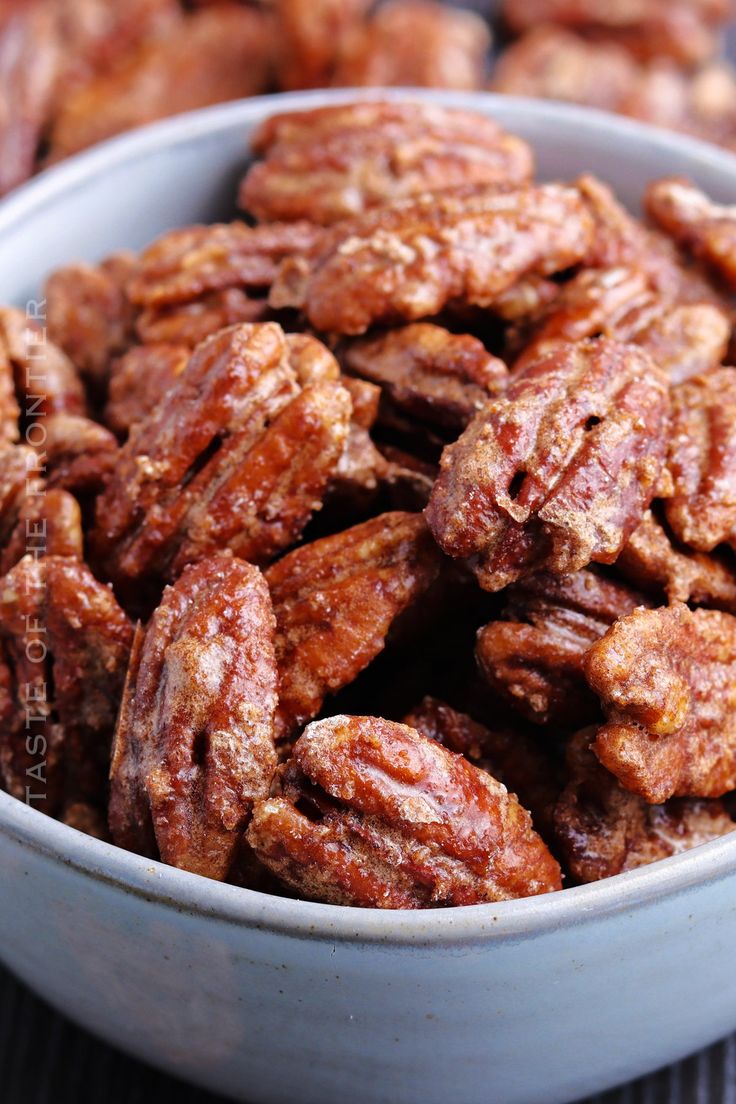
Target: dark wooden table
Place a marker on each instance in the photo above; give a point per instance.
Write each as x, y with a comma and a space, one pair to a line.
46, 1060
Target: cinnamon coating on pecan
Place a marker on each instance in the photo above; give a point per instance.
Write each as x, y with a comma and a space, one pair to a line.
333, 163
139, 380
237, 457
428, 373
603, 830
335, 601
194, 741
533, 656
409, 261
667, 681
368, 812
66, 641
705, 228
189, 323
557, 472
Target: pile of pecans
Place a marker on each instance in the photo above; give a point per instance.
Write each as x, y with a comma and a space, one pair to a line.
74, 72
380, 548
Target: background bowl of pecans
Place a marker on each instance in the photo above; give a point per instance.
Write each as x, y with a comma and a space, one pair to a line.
367, 603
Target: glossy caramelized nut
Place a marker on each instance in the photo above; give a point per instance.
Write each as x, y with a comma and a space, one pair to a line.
409, 261
189, 323
237, 457
370, 813
558, 471
308, 37
45, 379
429, 373
705, 228
652, 560
185, 265
194, 741
533, 657
139, 380
88, 314
47, 525
702, 461
333, 163
415, 44
207, 57
335, 601
667, 681
79, 454
513, 757
603, 830
679, 29
66, 642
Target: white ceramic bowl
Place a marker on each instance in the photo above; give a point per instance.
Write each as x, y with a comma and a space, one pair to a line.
272, 1000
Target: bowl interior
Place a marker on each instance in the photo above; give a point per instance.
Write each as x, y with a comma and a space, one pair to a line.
128, 191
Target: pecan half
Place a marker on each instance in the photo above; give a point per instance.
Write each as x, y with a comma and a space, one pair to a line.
189, 323
79, 454
533, 657
45, 379
409, 261
194, 742
237, 457
651, 559
415, 44
209, 56
88, 314
309, 36
47, 525
705, 228
333, 163
524, 767
66, 642
428, 373
370, 813
702, 461
667, 681
139, 380
558, 471
335, 601
603, 830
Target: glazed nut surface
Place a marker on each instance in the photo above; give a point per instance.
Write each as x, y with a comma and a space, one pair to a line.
705, 228
335, 601
194, 741
557, 472
368, 812
407, 262
665, 678
336, 162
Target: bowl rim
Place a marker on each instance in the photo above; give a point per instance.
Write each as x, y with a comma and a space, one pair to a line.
180, 890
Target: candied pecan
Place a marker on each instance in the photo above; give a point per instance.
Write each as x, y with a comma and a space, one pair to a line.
415, 43
365, 398
189, 323
335, 601
370, 813
512, 757
680, 29
409, 478
667, 681
558, 471
651, 559
308, 37
139, 380
184, 265
20, 479
45, 377
527, 297
705, 228
550, 63
602, 829
683, 339
533, 657
409, 261
194, 742
335, 162
78, 454
702, 460
67, 642
428, 372
88, 314
237, 457
214, 55
47, 525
